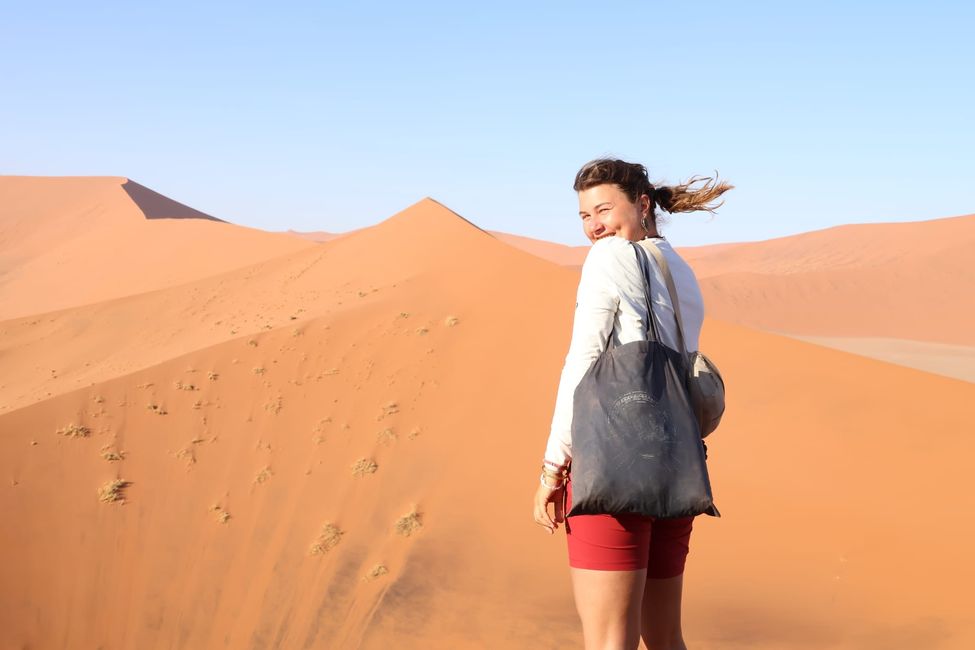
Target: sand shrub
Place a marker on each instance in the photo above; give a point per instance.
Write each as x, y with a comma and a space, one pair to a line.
263, 475
408, 523
451, 321
376, 571
74, 431
112, 491
327, 539
109, 454
364, 466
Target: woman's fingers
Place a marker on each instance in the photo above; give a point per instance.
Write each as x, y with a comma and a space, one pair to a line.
544, 521
542, 517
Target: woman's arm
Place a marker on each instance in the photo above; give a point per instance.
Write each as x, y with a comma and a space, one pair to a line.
597, 300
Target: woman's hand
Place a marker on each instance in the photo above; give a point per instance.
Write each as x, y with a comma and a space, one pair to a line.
544, 496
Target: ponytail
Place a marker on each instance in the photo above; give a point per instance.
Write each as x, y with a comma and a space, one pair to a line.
681, 198
632, 179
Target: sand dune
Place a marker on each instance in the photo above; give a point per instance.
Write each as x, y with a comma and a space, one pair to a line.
66, 242
817, 526
317, 235
60, 351
957, 361
571, 256
909, 280
894, 280
244, 411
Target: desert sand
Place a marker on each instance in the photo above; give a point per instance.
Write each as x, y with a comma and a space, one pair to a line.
335, 444
899, 292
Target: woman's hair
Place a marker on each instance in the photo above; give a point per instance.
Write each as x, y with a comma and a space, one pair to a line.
632, 179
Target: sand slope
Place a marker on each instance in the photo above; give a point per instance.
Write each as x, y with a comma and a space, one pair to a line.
430, 347
60, 351
810, 470
571, 256
70, 241
895, 280
892, 291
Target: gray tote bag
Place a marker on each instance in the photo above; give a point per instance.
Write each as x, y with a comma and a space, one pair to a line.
636, 440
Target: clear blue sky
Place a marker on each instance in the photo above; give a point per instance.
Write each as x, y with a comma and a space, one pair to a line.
320, 116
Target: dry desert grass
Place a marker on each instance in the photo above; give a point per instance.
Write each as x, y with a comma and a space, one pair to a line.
327, 539
408, 523
364, 466
112, 491
74, 431
376, 571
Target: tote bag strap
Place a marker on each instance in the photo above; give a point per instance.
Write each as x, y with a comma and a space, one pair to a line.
643, 263
672, 290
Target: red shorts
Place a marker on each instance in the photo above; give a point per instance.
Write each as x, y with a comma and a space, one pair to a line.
627, 542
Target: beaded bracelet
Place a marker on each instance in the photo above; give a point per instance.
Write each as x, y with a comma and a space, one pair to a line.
541, 479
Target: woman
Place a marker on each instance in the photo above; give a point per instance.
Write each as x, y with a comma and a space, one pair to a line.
627, 570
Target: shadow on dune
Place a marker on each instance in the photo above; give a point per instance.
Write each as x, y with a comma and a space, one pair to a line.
156, 206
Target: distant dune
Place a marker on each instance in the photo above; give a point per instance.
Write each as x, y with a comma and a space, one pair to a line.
572, 256
905, 284
317, 235
336, 446
895, 280
72, 241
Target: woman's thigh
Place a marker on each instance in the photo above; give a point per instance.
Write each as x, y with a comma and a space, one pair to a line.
609, 605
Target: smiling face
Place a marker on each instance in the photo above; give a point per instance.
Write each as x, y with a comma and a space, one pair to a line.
606, 211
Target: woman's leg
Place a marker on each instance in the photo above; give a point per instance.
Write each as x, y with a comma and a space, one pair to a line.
660, 615
608, 564
608, 603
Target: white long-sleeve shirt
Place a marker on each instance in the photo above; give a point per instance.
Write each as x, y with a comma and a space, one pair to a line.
610, 302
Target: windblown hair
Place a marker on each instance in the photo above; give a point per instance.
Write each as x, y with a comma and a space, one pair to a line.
632, 179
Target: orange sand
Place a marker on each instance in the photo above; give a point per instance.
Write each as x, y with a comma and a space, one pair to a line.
247, 393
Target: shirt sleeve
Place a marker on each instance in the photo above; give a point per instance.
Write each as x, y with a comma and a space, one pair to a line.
597, 300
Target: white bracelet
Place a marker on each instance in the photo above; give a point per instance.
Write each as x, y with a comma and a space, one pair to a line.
541, 479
